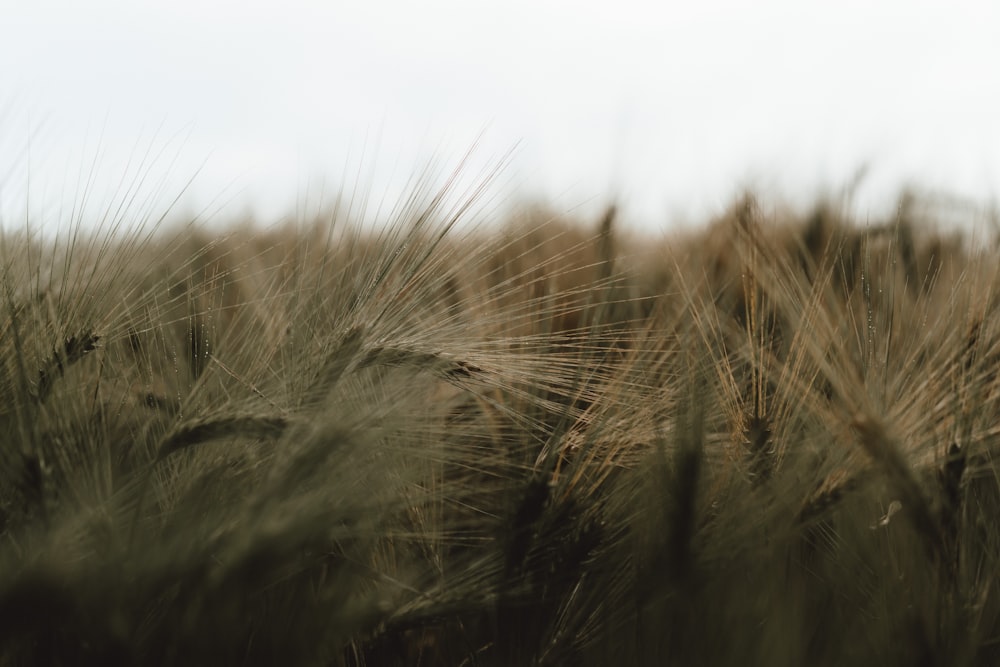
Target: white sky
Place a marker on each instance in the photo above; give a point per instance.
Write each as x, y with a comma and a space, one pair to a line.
672, 106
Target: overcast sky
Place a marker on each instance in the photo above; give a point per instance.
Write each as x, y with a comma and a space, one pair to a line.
671, 107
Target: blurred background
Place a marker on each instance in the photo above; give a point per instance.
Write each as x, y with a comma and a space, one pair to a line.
114, 110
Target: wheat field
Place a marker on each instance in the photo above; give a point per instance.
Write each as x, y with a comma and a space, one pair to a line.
768, 440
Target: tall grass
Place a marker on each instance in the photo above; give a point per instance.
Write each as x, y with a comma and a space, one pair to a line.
770, 441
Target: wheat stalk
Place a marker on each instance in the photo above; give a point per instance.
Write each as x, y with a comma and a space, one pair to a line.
234, 426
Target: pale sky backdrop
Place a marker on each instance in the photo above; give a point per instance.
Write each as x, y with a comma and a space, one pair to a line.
672, 107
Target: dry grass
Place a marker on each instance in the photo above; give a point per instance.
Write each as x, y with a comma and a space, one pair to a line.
770, 441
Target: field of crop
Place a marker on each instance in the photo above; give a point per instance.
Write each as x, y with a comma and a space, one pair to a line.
766, 441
